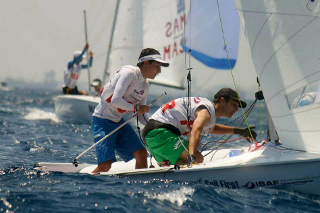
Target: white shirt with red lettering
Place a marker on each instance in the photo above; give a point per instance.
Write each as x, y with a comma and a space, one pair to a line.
175, 113
122, 93
71, 75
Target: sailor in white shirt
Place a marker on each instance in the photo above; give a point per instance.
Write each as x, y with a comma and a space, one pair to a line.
72, 72
167, 131
126, 92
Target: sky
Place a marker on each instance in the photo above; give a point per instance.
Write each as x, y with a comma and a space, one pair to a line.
39, 36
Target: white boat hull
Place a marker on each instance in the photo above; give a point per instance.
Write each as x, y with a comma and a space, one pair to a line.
268, 167
75, 108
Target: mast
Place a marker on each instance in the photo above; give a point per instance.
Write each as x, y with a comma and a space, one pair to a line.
87, 52
106, 73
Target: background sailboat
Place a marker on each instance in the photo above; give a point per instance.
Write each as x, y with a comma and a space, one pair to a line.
79, 108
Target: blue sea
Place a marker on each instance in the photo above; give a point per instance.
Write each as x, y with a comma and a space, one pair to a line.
30, 132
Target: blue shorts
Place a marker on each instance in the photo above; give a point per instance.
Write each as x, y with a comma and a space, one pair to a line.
125, 141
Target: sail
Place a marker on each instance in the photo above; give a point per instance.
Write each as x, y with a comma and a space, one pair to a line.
128, 41
160, 25
203, 34
163, 28
284, 41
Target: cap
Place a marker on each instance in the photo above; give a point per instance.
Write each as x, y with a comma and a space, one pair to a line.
77, 53
96, 82
155, 58
228, 92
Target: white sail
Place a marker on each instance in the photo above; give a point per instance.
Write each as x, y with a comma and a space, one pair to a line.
284, 41
204, 37
163, 28
128, 41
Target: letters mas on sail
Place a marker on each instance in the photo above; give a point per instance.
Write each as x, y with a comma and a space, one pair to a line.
163, 29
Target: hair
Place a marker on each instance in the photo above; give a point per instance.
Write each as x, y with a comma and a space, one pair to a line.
217, 100
145, 52
97, 79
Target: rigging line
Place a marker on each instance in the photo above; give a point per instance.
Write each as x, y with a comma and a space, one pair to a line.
276, 13
238, 124
185, 42
280, 147
260, 109
91, 6
96, 13
95, 22
189, 72
107, 24
209, 147
225, 44
220, 144
184, 38
226, 141
248, 111
99, 56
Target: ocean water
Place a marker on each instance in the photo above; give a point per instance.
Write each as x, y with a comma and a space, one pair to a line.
30, 132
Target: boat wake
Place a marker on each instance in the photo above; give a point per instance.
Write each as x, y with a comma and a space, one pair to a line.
178, 197
38, 114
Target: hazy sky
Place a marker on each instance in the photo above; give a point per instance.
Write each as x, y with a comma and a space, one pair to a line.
38, 36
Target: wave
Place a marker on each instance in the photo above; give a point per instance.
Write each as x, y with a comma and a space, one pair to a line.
38, 114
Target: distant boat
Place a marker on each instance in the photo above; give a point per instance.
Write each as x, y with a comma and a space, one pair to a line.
75, 108
79, 108
4, 86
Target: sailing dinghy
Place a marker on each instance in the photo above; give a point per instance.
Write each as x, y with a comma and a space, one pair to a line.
284, 42
268, 166
75, 108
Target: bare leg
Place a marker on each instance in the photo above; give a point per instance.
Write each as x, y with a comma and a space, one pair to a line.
103, 167
184, 156
181, 162
141, 158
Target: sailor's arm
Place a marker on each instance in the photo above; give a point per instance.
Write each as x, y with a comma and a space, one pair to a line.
84, 66
229, 130
202, 119
222, 129
143, 109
